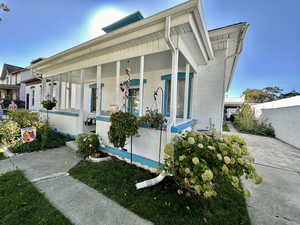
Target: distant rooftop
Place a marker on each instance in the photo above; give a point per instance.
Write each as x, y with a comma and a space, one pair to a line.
132, 18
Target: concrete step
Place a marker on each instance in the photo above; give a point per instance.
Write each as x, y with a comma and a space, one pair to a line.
72, 145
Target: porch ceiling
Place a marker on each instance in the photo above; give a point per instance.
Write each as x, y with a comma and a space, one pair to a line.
153, 62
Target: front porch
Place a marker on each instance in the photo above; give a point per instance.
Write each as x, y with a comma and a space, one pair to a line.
86, 98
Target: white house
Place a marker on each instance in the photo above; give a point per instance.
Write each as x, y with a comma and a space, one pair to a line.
172, 50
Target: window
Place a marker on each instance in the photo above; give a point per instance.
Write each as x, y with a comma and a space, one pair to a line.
94, 97
32, 97
180, 94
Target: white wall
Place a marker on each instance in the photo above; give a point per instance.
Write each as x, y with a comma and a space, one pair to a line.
293, 101
208, 93
286, 122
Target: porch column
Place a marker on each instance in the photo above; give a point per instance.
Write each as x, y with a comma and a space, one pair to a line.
99, 87
141, 110
81, 99
118, 85
43, 89
174, 81
70, 91
51, 89
59, 93
186, 91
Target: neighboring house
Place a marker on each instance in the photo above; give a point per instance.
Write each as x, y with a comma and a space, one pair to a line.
172, 50
10, 83
284, 115
231, 105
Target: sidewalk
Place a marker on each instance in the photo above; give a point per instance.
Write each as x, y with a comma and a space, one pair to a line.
78, 202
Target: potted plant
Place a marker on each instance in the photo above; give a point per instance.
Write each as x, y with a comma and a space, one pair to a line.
48, 105
152, 119
89, 146
123, 126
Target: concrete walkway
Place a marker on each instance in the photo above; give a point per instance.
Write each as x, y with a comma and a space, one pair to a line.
277, 199
78, 202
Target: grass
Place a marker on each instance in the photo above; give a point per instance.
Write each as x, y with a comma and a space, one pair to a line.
2, 157
226, 127
161, 204
21, 203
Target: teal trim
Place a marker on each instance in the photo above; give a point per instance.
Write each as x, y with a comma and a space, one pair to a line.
183, 126
61, 113
103, 118
70, 136
135, 158
95, 85
136, 82
167, 78
124, 22
181, 76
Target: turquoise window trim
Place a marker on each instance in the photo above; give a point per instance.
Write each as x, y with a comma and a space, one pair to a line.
167, 99
136, 82
93, 86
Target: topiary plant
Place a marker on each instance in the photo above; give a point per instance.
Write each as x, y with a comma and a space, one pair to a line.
199, 161
48, 105
123, 126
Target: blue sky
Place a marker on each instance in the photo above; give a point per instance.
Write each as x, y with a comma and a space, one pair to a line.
271, 55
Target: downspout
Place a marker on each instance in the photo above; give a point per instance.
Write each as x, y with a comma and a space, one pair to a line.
236, 54
171, 45
170, 122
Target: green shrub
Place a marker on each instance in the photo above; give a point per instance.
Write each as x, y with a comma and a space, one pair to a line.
199, 161
152, 119
88, 144
47, 138
10, 133
24, 118
226, 127
123, 125
246, 122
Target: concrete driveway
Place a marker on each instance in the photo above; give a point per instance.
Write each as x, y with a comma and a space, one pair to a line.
277, 200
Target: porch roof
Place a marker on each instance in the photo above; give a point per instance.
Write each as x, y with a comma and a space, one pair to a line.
127, 33
9, 87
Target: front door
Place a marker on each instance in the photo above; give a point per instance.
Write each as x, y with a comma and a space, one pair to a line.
134, 101
27, 101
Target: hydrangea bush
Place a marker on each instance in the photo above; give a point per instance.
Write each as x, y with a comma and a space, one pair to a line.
88, 144
199, 160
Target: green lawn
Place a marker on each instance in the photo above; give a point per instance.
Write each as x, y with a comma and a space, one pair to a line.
161, 204
2, 157
22, 204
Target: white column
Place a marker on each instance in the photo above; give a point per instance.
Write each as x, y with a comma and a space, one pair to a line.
99, 87
142, 63
43, 89
66, 87
81, 99
174, 81
186, 91
59, 93
70, 92
118, 84
51, 89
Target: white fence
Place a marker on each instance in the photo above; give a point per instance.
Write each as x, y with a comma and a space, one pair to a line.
286, 122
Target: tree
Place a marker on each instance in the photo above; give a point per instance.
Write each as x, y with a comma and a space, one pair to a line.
289, 94
267, 94
4, 8
254, 96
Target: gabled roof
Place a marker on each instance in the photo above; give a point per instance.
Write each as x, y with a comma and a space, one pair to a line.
132, 18
8, 69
